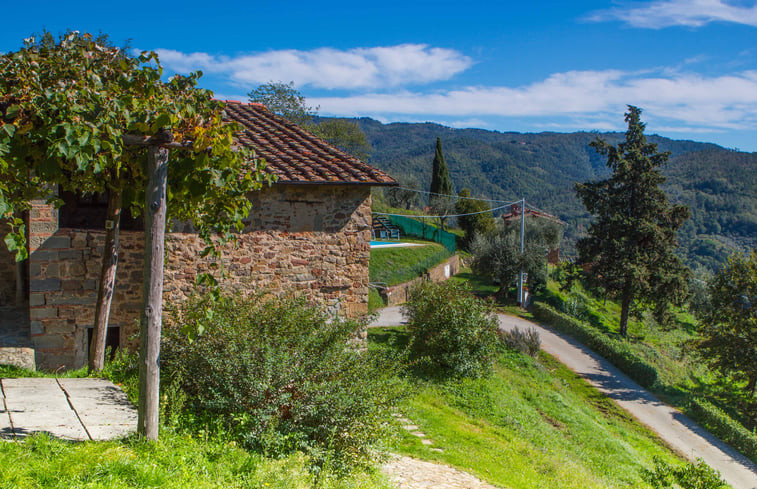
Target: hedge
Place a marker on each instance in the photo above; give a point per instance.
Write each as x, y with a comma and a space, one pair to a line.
724, 427
616, 352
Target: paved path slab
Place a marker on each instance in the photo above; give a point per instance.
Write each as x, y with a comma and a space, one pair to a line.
71, 409
410, 473
676, 429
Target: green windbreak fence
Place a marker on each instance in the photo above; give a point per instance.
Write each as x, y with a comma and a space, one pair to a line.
413, 227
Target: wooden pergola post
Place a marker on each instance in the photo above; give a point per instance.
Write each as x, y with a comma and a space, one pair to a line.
150, 323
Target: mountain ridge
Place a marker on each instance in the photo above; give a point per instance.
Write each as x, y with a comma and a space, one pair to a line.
718, 184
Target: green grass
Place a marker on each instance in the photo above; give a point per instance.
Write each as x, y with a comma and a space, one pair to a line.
172, 462
375, 301
532, 423
479, 285
397, 265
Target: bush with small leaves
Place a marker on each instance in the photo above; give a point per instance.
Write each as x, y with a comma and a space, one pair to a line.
451, 331
527, 341
280, 375
697, 475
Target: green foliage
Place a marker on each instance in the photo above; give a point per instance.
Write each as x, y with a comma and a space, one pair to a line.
497, 255
172, 462
344, 134
724, 427
440, 181
278, 376
472, 225
697, 475
405, 197
527, 341
375, 301
285, 100
450, 329
65, 107
632, 239
616, 352
728, 334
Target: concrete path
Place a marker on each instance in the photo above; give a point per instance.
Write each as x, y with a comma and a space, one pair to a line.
71, 409
677, 430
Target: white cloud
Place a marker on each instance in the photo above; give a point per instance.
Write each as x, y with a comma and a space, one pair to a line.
665, 13
357, 68
722, 102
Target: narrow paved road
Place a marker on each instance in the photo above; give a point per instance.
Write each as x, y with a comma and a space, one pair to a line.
677, 430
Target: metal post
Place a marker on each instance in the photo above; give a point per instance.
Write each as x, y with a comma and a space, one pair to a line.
522, 249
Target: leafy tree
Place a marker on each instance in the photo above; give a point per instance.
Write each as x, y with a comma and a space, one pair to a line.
405, 195
66, 108
344, 134
632, 239
473, 224
728, 335
285, 100
497, 255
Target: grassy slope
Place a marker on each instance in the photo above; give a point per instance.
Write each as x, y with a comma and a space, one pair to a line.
172, 462
396, 265
532, 424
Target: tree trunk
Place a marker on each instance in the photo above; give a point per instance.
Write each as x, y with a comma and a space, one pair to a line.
107, 280
624, 308
21, 283
21, 292
150, 325
750, 386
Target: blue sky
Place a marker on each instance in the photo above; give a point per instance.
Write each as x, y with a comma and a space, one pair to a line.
691, 65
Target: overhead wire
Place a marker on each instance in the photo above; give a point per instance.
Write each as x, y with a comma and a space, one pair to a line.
447, 215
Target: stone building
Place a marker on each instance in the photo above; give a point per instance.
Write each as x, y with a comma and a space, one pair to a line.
309, 233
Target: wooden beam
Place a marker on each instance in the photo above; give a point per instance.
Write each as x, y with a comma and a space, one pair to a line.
150, 325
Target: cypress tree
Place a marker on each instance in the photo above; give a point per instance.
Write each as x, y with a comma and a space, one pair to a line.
632, 239
440, 182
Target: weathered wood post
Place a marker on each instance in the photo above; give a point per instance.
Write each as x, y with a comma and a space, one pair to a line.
150, 324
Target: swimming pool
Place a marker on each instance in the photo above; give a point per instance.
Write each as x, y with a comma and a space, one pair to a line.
392, 244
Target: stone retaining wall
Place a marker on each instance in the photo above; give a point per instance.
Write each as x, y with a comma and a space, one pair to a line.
399, 294
311, 239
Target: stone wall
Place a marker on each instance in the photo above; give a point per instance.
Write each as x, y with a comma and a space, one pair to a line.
309, 239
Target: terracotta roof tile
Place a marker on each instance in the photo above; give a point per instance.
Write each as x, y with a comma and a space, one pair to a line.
294, 154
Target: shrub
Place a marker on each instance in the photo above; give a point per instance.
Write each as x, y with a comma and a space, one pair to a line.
527, 341
697, 475
450, 329
616, 352
724, 427
278, 376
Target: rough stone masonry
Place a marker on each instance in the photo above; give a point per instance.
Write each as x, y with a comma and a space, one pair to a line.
308, 239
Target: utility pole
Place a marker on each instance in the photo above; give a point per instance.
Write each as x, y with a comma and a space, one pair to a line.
521, 299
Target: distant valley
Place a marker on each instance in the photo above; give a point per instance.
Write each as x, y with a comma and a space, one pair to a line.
718, 185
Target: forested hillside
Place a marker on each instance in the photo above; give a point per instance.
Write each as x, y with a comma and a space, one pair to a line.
719, 185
